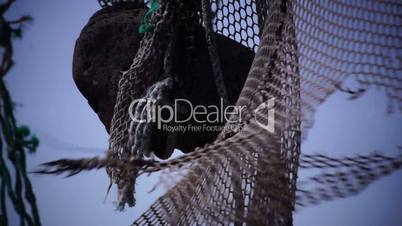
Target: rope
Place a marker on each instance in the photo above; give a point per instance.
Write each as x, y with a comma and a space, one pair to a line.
213, 54
146, 24
14, 140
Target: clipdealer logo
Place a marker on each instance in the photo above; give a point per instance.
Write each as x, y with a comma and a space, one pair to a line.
179, 115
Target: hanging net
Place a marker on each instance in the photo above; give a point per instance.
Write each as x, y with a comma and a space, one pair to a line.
304, 52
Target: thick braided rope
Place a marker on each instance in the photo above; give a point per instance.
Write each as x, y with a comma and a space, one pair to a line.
213, 52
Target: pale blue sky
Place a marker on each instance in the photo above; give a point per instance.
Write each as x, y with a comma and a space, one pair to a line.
51, 105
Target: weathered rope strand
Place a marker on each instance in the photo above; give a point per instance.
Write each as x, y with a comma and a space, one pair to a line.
213, 52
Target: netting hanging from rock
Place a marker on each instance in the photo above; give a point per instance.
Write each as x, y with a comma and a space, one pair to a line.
305, 51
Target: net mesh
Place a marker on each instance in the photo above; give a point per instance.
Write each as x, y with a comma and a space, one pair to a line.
308, 50
237, 20
305, 51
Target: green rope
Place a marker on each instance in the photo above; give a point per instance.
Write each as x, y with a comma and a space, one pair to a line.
146, 24
15, 141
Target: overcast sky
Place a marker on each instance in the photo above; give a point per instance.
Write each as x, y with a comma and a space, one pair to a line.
41, 83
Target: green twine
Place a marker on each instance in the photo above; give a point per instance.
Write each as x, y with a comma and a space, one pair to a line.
146, 24
31, 142
14, 142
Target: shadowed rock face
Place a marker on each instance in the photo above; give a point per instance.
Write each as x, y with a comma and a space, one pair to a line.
107, 46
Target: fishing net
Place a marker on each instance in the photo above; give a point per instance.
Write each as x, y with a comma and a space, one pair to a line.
305, 51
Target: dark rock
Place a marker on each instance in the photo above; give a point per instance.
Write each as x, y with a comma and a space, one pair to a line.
107, 46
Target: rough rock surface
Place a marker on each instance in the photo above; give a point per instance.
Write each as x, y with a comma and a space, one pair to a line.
107, 46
